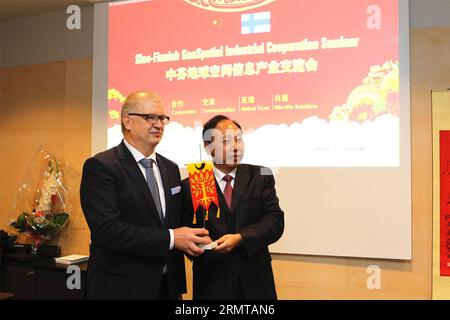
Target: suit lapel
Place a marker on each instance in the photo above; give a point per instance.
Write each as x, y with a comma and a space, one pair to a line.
240, 185
132, 168
164, 172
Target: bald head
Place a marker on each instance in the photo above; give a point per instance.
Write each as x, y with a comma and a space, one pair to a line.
135, 100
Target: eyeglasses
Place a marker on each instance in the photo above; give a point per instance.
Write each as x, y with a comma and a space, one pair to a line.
152, 118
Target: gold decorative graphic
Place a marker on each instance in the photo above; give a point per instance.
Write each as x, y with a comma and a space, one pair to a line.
114, 94
372, 98
227, 5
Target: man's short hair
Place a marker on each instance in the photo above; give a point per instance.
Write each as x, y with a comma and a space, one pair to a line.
212, 124
130, 103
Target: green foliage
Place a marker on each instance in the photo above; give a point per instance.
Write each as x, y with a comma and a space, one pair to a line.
42, 224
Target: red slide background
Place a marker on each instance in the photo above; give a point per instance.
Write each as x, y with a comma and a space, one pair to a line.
169, 25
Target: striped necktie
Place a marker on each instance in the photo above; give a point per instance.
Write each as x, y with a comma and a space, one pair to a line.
228, 191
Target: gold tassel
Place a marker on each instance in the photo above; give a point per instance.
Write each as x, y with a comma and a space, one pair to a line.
218, 213
194, 221
206, 217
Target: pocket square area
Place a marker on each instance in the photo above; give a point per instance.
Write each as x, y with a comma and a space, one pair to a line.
175, 190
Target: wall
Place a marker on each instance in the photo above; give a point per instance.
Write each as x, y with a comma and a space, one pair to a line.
46, 106
51, 103
45, 38
440, 122
301, 277
429, 13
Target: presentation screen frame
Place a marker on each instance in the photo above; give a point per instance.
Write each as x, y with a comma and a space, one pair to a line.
326, 211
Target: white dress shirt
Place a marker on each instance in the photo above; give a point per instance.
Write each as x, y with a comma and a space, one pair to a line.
219, 177
138, 156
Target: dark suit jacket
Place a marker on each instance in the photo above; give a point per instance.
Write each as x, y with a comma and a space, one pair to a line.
129, 243
257, 216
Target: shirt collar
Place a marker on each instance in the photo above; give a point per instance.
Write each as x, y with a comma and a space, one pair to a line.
137, 155
219, 174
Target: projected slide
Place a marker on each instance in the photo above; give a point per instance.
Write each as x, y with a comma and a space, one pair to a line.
313, 83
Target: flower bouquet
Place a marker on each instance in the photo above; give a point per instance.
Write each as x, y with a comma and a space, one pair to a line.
43, 199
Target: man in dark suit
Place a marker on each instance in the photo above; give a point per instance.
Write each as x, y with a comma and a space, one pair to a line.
131, 199
250, 220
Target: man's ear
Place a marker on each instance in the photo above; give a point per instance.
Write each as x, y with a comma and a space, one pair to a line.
209, 148
126, 122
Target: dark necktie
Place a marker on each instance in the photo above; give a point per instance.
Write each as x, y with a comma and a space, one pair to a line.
152, 185
228, 191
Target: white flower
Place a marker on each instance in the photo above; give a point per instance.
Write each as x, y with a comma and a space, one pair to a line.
49, 187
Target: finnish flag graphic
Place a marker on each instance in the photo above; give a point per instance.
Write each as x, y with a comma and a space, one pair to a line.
258, 22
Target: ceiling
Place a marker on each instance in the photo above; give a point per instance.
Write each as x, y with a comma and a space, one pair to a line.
13, 9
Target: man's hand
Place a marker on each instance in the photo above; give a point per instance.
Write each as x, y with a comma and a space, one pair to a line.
228, 242
188, 239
